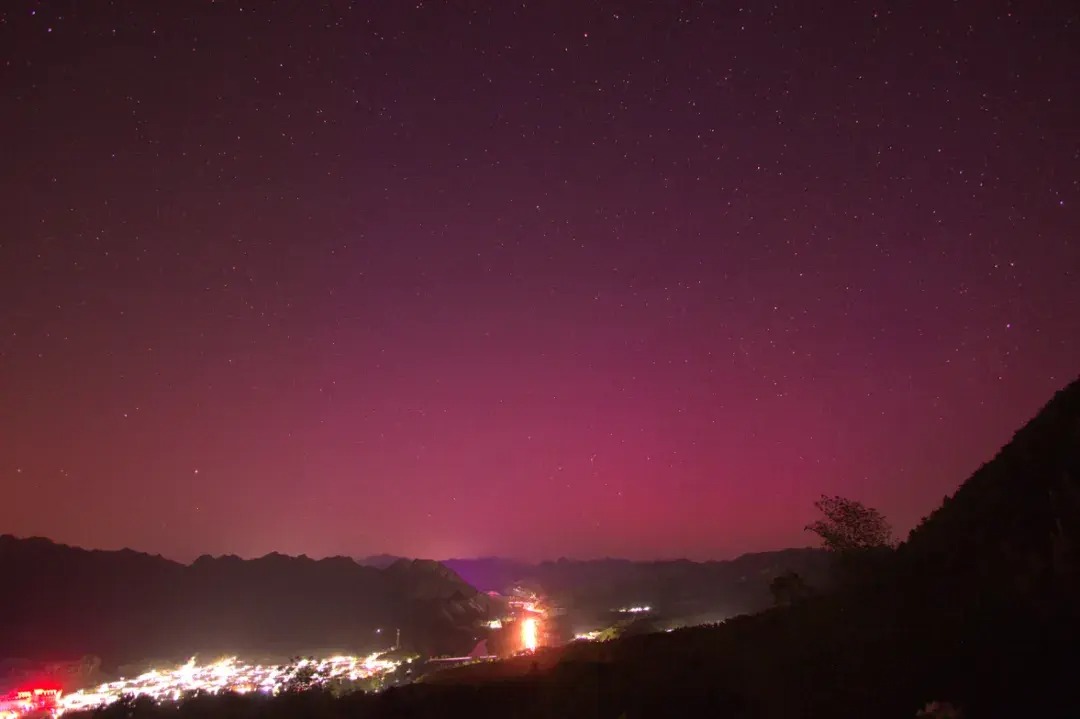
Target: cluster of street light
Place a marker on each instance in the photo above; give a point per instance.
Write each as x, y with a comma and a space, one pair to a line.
634, 610
229, 675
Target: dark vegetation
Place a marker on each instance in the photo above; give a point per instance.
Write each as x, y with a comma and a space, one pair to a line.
64, 602
131, 608
979, 607
678, 588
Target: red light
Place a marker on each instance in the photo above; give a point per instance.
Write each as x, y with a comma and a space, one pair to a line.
529, 632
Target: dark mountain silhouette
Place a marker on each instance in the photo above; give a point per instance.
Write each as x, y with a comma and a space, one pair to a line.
675, 588
1014, 526
379, 561
440, 602
62, 601
427, 579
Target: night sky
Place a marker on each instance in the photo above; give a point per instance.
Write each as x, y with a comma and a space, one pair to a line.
531, 279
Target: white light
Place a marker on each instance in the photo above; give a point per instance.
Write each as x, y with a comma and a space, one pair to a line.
227, 674
634, 610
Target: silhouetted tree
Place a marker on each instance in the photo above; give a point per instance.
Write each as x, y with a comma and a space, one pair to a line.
788, 588
849, 525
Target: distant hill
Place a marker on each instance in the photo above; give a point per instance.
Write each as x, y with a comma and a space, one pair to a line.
677, 587
379, 561
127, 606
62, 602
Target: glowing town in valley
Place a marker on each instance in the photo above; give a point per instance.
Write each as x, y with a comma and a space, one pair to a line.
226, 675
528, 623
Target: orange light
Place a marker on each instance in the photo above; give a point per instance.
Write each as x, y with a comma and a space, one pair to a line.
529, 634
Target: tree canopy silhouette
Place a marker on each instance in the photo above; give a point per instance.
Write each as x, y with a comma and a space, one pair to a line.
849, 525
788, 588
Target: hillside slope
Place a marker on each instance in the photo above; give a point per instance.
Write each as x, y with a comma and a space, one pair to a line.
64, 602
677, 587
1014, 526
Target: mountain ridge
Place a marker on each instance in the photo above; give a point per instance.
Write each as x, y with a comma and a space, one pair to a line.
127, 606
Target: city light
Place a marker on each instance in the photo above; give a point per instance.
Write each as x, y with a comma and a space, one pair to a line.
226, 675
529, 634
30, 702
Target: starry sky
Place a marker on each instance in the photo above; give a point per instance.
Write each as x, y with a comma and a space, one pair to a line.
535, 279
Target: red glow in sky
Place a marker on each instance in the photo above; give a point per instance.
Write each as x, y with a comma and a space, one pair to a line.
540, 280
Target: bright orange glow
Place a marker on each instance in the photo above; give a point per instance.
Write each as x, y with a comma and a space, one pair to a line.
529, 634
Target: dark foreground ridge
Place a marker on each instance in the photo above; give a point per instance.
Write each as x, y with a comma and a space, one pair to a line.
978, 608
